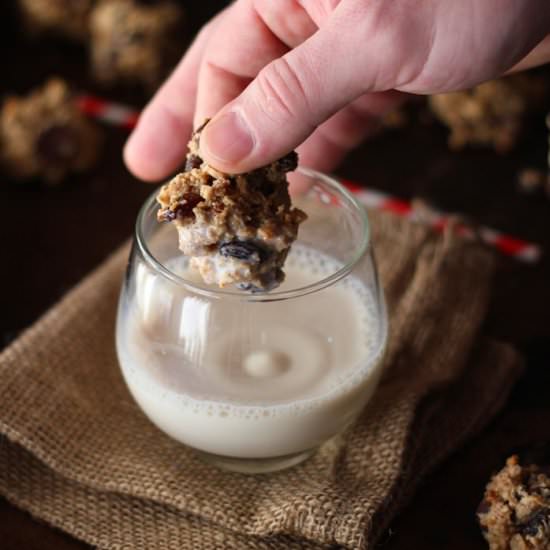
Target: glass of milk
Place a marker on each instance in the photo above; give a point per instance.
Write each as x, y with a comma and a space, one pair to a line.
257, 382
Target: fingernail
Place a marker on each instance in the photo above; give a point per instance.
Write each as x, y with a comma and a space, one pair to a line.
227, 138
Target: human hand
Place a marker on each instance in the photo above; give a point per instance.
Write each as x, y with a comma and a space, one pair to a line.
277, 74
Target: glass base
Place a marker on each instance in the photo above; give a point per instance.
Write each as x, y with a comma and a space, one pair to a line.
255, 465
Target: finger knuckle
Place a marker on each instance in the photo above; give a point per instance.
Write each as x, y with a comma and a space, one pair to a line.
282, 93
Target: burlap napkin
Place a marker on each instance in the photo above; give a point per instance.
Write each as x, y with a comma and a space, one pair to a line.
77, 452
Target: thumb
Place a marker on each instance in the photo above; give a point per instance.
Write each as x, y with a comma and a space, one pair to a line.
282, 106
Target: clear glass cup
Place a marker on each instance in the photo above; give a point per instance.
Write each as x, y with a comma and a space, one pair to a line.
257, 382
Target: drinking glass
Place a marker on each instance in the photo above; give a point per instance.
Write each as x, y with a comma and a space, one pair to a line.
256, 382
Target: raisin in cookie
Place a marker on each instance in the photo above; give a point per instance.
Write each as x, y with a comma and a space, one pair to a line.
491, 114
238, 228
515, 512
135, 41
65, 17
44, 135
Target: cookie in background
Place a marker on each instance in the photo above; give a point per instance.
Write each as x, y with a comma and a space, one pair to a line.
135, 41
515, 511
493, 114
44, 135
68, 18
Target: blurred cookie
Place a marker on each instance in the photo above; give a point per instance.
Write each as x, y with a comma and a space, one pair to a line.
515, 511
491, 114
44, 135
135, 41
65, 17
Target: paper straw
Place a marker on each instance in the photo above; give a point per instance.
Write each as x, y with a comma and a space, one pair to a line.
506, 244
524, 251
109, 112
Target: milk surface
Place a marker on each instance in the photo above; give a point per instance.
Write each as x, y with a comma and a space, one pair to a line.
252, 380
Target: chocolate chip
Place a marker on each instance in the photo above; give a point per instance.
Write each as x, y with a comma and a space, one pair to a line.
185, 207
289, 162
192, 161
536, 523
58, 144
483, 507
257, 180
242, 250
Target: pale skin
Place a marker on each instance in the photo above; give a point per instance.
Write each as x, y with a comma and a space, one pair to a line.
316, 75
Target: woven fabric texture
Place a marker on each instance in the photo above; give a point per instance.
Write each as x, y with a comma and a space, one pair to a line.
77, 452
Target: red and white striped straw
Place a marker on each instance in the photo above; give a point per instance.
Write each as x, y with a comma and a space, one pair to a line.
506, 244
524, 251
111, 113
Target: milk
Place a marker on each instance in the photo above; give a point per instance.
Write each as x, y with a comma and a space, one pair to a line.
252, 380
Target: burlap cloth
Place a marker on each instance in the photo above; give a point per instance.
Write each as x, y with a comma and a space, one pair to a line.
78, 453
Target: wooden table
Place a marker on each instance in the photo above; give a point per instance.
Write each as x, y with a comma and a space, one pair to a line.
53, 237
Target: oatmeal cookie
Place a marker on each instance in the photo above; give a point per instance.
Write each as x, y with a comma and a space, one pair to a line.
237, 228
135, 41
491, 114
65, 17
515, 512
44, 135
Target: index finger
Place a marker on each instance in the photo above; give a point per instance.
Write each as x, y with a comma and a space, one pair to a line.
158, 144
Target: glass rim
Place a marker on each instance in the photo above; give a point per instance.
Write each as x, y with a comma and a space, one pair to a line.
276, 295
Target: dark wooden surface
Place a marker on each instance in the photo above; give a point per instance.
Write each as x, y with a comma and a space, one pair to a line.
51, 237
